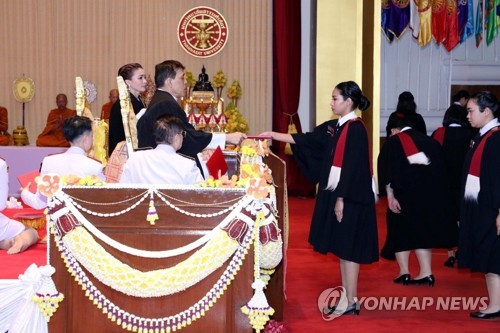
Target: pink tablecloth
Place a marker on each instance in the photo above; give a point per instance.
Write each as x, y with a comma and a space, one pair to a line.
23, 159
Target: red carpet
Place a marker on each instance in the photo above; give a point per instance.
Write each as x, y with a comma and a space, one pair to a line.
309, 273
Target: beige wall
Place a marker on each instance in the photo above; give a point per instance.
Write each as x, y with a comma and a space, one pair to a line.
53, 41
338, 49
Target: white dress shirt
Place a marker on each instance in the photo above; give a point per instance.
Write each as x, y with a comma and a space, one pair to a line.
73, 161
161, 165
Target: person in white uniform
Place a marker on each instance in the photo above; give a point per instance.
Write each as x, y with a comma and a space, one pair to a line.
162, 165
74, 161
15, 237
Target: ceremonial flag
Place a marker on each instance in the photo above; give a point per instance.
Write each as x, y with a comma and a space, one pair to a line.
439, 20
414, 19
479, 23
425, 15
452, 35
467, 11
385, 20
491, 17
399, 17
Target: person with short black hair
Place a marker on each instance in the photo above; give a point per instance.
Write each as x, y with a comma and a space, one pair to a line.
461, 98
479, 241
455, 137
77, 131
162, 165
170, 87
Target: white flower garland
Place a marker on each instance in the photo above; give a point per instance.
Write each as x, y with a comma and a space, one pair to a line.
235, 209
135, 323
133, 282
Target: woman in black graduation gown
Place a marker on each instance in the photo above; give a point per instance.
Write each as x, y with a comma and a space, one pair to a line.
455, 137
479, 241
344, 219
419, 202
135, 78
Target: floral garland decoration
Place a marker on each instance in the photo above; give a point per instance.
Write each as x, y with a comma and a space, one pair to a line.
257, 309
135, 323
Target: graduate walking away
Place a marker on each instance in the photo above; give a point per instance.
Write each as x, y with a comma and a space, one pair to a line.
336, 156
479, 241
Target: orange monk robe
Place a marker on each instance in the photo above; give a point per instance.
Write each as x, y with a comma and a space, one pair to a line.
52, 135
106, 110
4, 126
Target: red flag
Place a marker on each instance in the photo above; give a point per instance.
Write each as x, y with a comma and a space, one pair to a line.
216, 164
439, 20
452, 34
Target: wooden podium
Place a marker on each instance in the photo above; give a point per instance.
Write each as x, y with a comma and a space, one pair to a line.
77, 313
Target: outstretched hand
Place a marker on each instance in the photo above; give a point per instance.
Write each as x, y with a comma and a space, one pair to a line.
235, 138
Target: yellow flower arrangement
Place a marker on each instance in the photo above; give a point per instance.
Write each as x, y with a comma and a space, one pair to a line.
234, 91
219, 79
235, 120
191, 81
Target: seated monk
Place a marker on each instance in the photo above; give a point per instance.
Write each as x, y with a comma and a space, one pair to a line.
4, 126
106, 108
52, 134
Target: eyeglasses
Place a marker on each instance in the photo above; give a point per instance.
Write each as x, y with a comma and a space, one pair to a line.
183, 133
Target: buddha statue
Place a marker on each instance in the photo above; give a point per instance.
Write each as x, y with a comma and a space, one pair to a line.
203, 83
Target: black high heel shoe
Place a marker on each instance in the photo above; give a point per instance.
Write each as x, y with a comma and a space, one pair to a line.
352, 309
404, 279
430, 280
450, 262
482, 315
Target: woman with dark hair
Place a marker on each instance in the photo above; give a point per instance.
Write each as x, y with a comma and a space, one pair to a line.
406, 108
455, 138
135, 78
479, 240
336, 156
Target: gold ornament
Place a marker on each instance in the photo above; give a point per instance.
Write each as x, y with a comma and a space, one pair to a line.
24, 89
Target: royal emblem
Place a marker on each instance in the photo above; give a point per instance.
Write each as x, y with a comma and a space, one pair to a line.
202, 32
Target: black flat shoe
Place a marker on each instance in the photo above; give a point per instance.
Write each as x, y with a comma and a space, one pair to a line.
404, 279
450, 262
482, 315
430, 280
352, 309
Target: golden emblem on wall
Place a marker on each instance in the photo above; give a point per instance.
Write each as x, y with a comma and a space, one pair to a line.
24, 89
202, 32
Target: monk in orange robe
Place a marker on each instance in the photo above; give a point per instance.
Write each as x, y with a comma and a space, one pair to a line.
106, 108
4, 126
52, 134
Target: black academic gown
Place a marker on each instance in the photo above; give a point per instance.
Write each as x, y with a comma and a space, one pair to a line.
425, 219
479, 244
355, 237
456, 144
116, 131
163, 104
